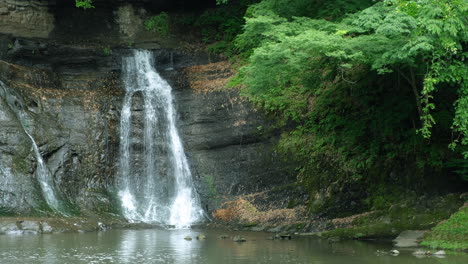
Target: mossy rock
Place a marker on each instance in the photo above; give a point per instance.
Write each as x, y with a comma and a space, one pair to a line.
450, 234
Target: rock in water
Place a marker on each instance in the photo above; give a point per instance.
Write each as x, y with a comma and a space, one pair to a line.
223, 236
201, 237
188, 238
284, 236
238, 239
419, 253
394, 252
409, 238
439, 253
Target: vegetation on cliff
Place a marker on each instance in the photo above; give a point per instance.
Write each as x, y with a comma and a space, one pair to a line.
371, 96
85, 4
362, 93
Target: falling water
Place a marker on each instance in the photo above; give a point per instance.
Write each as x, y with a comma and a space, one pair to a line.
43, 175
163, 191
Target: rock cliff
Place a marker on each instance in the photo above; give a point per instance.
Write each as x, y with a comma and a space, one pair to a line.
72, 94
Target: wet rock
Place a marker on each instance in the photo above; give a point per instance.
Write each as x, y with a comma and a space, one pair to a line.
381, 253
8, 227
188, 238
30, 227
422, 254
223, 236
4, 11
394, 252
258, 228
238, 239
128, 20
419, 253
46, 228
439, 253
26, 18
201, 237
283, 236
102, 226
410, 238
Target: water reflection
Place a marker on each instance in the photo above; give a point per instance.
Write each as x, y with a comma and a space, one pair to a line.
169, 246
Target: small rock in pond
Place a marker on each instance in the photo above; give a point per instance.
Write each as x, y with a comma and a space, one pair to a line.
102, 226
238, 239
188, 238
394, 252
419, 253
223, 236
381, 253
439, 253
46, 228
201, 237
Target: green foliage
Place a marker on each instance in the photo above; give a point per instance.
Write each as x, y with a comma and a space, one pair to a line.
353, 93
329, 10
158, 24
459, 166
85, 4
221, 25
426, 35
107, 51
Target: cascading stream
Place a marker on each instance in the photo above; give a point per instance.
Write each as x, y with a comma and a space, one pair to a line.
43, 175
163, 191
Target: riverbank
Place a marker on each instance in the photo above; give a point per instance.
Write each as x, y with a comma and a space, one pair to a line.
436, 227
55, 225
441, 220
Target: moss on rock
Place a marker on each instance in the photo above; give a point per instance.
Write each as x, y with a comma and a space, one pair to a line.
421, 214
450, 234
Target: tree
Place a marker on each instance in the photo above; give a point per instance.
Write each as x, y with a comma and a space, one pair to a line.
336, 84
85, 4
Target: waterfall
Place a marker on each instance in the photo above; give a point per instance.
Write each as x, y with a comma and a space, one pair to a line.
43, 175
155, 182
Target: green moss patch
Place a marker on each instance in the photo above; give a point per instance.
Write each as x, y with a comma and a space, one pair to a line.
450, 234
407, 215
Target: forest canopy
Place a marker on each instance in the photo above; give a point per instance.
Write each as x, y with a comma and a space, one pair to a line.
361, 86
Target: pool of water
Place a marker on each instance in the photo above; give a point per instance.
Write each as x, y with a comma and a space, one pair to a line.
169, 246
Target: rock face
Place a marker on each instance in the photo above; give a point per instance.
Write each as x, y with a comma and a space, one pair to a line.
225, 137
60, 19
26, 18
71, 95
74, 103
75, 128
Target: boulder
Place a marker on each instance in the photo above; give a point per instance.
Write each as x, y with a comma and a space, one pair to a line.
409, 238
238, 239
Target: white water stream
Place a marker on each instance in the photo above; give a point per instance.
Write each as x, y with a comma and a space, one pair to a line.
43, 175
155, 182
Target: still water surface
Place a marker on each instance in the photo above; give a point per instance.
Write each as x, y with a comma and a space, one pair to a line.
169, 246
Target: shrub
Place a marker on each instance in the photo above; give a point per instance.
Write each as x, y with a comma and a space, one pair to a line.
158, 24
